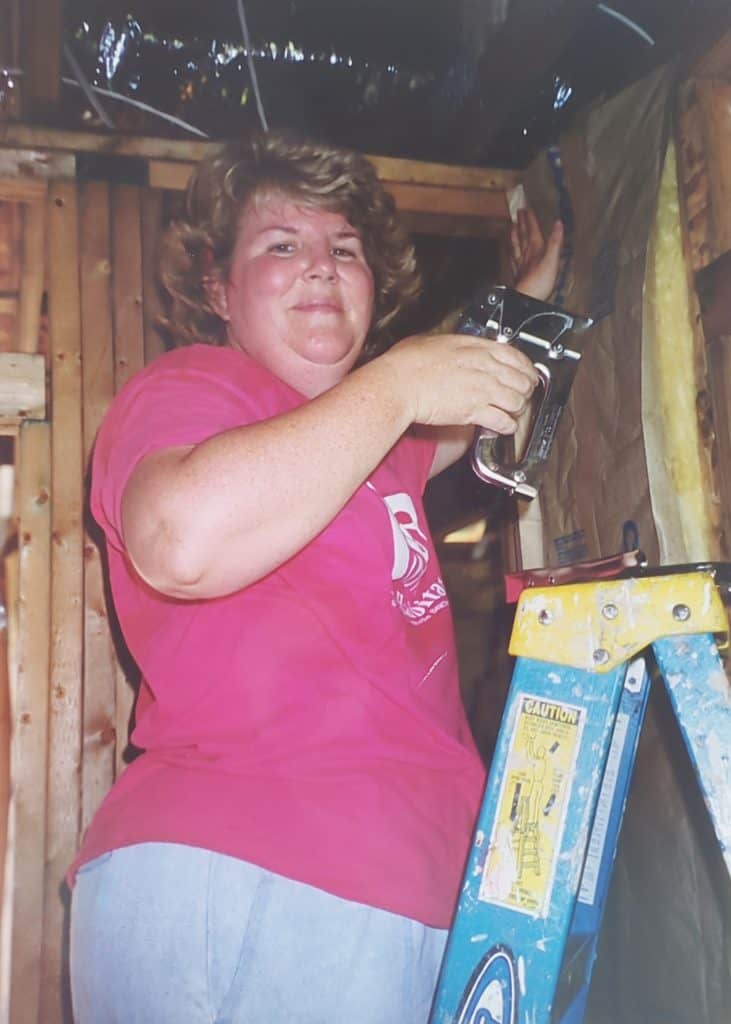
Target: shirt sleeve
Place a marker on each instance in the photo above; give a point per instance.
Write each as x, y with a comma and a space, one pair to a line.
165, 406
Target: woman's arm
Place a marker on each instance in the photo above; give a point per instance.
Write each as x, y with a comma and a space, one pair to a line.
206, 520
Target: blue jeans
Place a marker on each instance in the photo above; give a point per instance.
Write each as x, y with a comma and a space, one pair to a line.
169, 934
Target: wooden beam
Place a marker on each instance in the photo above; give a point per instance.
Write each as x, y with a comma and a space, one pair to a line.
413, 197
26, 136
431, 190
30, 137
22, 385
460, 202
35, 163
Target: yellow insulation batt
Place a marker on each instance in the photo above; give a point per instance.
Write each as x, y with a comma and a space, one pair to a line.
672, 438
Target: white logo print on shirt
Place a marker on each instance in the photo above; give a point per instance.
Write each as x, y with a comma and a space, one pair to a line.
410, 551
410, 562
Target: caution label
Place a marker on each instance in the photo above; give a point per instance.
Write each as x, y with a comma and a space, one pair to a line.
526, 837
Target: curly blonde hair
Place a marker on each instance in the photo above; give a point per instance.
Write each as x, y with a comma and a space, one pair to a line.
201, 242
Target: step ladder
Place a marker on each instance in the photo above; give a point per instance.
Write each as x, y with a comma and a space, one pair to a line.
523, 941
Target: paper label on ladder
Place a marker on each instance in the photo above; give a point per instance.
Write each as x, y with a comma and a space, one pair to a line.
526, 837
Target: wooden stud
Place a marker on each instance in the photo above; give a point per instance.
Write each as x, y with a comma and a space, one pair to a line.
11, 229
704, 177
693, 179
714, 98
718, 355
12, 571
30, 717
99, 710
64, 752
6, 591
127, 282
129, 357
152, 307
32, 275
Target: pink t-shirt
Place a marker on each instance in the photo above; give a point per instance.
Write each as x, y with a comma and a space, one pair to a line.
310, 723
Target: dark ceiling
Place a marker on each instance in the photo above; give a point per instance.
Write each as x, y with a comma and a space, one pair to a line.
484, 82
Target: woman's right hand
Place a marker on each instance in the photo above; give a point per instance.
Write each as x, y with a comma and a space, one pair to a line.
460, 380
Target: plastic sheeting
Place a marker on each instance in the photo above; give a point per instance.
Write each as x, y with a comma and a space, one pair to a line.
664, 951
596, 493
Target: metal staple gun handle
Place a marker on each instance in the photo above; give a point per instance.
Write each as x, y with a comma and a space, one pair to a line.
541, 331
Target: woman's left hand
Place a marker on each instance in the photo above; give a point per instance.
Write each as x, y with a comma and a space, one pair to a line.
534, 261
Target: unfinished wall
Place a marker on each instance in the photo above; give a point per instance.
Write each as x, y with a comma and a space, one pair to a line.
664, 949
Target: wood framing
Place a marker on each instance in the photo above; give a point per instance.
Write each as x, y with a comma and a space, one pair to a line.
450, 199
30, 719
64, 720
97, 365
27, 195
703, 133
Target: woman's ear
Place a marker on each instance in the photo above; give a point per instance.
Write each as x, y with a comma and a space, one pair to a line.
217, 296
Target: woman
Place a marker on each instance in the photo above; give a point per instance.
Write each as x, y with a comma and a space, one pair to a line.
289, 846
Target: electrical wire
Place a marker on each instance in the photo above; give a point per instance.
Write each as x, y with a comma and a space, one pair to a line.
86, 86
141, 106
632, 25
250, 62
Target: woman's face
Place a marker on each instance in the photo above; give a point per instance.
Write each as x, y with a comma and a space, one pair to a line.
299, 295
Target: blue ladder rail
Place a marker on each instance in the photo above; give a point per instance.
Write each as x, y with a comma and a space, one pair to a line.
523, 941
